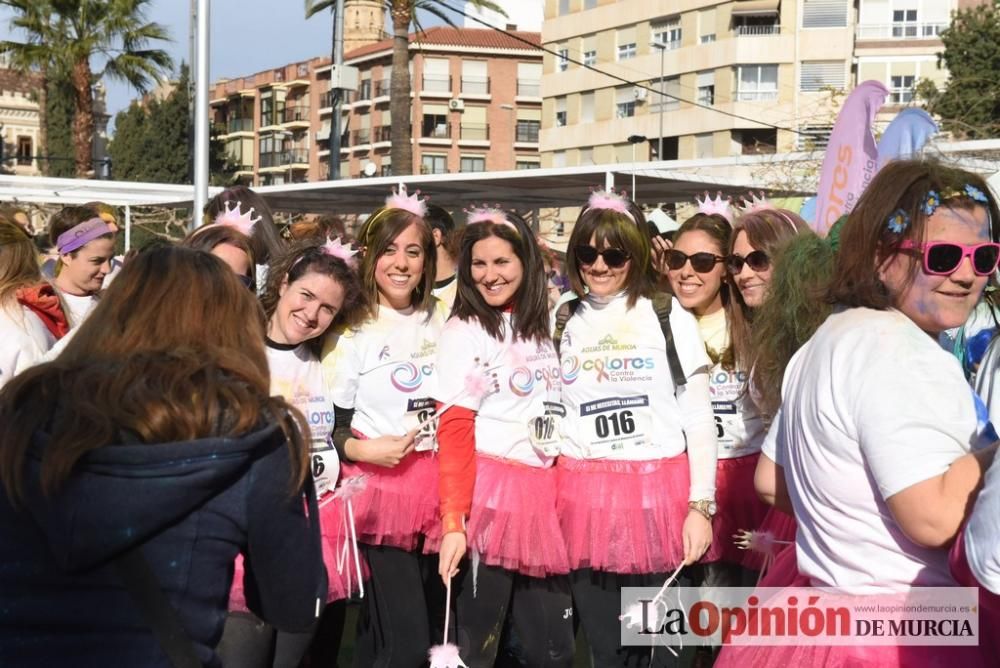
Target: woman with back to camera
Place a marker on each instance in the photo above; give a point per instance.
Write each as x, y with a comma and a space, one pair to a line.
31, 317
872, 398
636, 478
311, 288
153, 444
498, 388
382, 374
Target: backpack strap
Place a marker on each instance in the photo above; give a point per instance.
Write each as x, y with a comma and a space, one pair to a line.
563, 314
661, 305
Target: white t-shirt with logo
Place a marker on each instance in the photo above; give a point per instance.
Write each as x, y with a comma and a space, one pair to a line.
297, 376
617, 387
871, 406
77, 307
513, 386
385, 371
739, 429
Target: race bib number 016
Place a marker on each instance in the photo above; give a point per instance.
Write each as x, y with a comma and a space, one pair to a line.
615, 423
421, 413
325, 468
544, 431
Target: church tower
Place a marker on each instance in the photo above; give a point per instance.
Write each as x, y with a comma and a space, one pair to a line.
364, 23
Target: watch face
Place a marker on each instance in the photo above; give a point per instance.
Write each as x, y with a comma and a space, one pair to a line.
712, 508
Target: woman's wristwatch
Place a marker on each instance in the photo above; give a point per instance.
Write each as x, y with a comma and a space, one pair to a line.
706, 507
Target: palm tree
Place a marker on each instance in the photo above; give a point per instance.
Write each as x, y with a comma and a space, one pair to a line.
403, 14
66, 35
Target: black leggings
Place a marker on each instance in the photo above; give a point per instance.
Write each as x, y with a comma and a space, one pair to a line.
597, 596
394, 629
250, 642
541, 615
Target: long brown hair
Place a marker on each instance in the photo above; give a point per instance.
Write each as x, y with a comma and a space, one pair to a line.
18, 261
530, 317
376, 235
614, 230
302, 258
173, 352
767, 230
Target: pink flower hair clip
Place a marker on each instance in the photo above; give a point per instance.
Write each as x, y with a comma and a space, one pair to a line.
488, 214
610, 201
717, 206
399, 199
236, 219
339, 250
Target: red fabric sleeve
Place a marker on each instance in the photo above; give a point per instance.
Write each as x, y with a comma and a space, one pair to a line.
456, 436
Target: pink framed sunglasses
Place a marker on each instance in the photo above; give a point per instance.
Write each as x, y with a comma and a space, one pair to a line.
942, 258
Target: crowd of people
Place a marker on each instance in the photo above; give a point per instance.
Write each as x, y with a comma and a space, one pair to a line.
210, 447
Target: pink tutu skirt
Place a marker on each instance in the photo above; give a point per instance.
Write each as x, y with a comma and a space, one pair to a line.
625, 516
739, 506
781, 526
989, 603
513, 521
398, 505
341, 570
783, 574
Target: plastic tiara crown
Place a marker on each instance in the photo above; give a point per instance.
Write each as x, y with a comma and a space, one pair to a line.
757, 202
717, 206
337, 249
399, 199
611, 201
488, 214
236, 219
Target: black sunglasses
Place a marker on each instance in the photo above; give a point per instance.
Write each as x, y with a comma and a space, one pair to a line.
613, 257
701, 262
758, 261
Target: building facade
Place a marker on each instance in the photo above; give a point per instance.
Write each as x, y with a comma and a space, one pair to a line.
696, 79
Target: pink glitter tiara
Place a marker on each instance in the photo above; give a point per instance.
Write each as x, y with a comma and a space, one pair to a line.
412, 203
337, 249
236, 219
488, 214
611, 201
758, 202
717, 206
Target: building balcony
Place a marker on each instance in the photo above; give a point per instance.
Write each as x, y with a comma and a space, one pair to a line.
362, 137
218, 128
296, 158
382, 88
475, 85
474, 132
756, 30
901, 31
432, 84
326, 100
296, 115
270, 160
382, 134
755, 95
240, 125
440, 131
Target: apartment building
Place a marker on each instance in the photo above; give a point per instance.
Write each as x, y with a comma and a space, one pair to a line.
476, 103
739, 77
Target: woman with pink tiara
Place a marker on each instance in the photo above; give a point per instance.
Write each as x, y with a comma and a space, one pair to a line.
311, 288
636, 477
498, 397
383, 378
872, 399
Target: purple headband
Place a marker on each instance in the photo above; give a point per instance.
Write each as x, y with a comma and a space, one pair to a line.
80, 235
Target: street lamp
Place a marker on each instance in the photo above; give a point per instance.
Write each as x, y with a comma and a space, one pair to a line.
635, 139
663, 52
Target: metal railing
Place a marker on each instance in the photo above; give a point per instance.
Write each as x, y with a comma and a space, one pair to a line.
326, 99
272, 159
439, 131
529, 88
756, 30
296, 113
476, 85
362, 136
240, 125
382, 133
475, 131
756, 95
295, 156
436, 83
900, 30
382, 88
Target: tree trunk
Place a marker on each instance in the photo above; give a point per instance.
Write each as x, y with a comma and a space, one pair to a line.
399, 96
42, 150
83, 119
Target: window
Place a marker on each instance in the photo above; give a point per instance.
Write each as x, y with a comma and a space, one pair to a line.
671, 88
562, 64
626, 41
559, 159
817, 75
904, 23
563, 7
706, 87
435, 122
365, 89
706, 26
473, 125
529, 79
589, 4
668, 33
901, 89
813, 137
529, 121
703, 145
588, 45
824, 13
24, 151
434, 164
270, 150
624, 102
560, 112
527, 164
590, 58
471, 163
587, 107
386, 168
757, 82
436, 78
266, 110
474, 77
587, 156
758, 141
